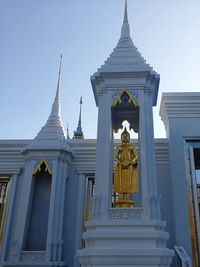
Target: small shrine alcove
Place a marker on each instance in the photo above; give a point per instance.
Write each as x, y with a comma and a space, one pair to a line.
125, 118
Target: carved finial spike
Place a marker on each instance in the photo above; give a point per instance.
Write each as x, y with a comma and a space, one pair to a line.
59, 73
78, 134
81, 101
68, 131
79, 121
125, 31
126, 13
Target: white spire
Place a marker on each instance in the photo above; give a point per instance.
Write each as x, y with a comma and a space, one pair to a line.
53, 129
52, 135
55, 110
125, 31
125, 57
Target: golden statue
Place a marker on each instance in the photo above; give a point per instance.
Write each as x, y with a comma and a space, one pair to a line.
126, 173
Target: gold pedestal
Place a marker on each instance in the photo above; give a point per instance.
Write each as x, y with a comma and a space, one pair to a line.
124, 203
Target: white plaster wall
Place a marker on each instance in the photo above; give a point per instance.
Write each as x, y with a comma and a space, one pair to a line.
180, 113
165, 195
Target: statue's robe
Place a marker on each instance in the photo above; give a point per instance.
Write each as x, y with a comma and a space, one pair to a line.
126, 173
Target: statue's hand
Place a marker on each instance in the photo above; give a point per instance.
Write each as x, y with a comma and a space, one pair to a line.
126, 165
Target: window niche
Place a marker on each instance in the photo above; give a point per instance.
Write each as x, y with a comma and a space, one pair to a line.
39, 212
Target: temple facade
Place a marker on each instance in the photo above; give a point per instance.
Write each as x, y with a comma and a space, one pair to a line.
105, 202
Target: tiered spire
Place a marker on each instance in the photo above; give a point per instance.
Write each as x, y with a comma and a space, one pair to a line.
52, 135
78, 134
125, 56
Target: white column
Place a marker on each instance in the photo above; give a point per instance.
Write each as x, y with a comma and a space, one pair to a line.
10, 210
79, 216
147, 155
103, 175
143, 146
155, 205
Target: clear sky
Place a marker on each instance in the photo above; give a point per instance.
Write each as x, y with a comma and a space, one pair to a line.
35, 32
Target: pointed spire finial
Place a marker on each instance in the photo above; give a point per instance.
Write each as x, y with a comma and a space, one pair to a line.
79, 121
126, 13
125, 31
58, 83
78, 134
68, 131
55, 111
81, 101
52, 131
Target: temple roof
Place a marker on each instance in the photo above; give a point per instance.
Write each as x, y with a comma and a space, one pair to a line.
125, 56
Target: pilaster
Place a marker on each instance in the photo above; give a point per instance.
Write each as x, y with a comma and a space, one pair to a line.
56, 212
104, 154
79, 216
20, 228
143, 145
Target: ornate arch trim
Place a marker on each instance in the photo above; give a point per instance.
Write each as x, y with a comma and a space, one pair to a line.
38, 168
131, 99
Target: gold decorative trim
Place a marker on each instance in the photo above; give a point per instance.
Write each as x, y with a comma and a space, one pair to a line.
38, 168
131, 100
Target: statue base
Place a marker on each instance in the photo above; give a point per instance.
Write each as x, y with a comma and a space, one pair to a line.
124, 203
126, 239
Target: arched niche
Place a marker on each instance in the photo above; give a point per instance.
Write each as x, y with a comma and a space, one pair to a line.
37, 223
124, 108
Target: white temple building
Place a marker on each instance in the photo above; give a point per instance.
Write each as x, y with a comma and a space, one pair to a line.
58, 203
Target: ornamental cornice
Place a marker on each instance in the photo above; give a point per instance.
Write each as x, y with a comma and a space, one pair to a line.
100, 76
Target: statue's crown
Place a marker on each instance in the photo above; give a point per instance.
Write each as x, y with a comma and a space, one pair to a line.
125, 132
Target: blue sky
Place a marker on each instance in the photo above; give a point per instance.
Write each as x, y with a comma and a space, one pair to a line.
35, 32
